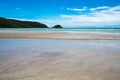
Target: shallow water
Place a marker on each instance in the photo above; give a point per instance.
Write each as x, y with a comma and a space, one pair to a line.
59, 59
115, 31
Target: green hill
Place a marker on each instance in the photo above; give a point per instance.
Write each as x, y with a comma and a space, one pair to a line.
57, 26
11, 23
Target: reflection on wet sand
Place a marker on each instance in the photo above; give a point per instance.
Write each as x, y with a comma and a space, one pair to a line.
77, 62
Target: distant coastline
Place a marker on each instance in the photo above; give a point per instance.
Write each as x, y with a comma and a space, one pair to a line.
16, 29
12, 23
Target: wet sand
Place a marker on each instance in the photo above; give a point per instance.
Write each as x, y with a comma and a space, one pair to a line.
55, 35
59, 60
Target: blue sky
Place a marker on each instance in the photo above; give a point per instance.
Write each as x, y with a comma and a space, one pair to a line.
69, 13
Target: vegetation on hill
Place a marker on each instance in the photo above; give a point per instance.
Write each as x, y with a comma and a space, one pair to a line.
57, 26
11, 23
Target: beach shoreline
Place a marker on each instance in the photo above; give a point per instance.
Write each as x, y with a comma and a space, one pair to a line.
56, 35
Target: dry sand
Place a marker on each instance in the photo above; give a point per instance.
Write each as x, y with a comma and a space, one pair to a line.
55, 35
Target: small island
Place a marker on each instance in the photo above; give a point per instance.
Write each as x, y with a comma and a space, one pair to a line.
57, 26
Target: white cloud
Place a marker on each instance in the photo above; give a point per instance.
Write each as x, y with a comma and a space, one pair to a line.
99, 17
77, 9
99, 8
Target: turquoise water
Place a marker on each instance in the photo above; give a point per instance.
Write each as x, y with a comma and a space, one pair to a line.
69, 30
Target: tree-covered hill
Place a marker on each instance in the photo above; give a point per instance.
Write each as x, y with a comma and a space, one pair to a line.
57, 26
11, 23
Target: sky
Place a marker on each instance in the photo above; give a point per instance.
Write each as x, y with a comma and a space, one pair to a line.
68, 13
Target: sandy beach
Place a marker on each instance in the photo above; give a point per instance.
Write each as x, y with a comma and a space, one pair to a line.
59, 60
56, 35
59, 40
42, 55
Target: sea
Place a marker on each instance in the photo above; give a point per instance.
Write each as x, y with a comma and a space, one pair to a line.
115, 31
